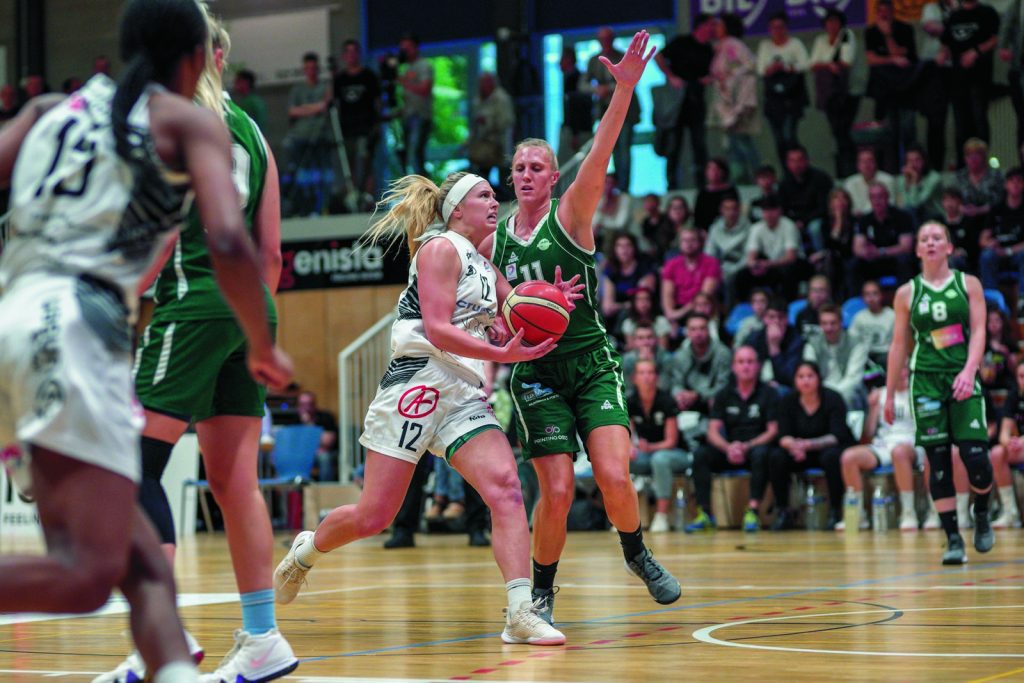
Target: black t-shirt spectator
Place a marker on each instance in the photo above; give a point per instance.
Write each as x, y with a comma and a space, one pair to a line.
744, 420
830, 418
357, 95
885, 233
807, 199
651, 426
706, 208
1013, 409
691, 61
966, 29
1007, 224
902, 35
965, 235
889, 81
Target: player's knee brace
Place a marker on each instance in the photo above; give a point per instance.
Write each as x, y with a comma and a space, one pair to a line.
941, 481
976, 461
155, 456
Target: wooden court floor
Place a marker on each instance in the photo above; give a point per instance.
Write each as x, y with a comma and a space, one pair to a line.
797, 606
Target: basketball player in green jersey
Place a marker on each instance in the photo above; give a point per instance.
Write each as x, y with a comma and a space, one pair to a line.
941, 313
190, 368
579, 386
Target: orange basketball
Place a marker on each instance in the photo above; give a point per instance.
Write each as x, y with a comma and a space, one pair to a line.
537, 308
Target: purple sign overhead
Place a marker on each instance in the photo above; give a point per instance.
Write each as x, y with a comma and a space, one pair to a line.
804, 15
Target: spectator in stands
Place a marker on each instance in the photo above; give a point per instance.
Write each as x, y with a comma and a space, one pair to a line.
1011, 51
717, 187
9, 105
306, 144
604, 86
867, 173
417, 83
832, 57
834, 258
357, 95
812, 433
933, 79
965, 231
734, 71
614, 210
892, 59
686, 63
624, 269
577, 107
918, 186
310, 414
642, 311
727, 242
653, 421
873, 324
101, 65
819, 293
678, 214
840, 357
34, 85
767, 185
779, 346
774, 253
782, 62
970, 38
449, 499
248, 101
1009, 451
70, 85
701, 367
804, 194
884, 240
490, 135
643, 345
742, 431
755, 321
883, 444
982, 185
707, 305
1002, 241
655, 227
685, 275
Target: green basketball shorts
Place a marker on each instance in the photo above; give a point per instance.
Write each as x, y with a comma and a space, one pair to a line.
938, 417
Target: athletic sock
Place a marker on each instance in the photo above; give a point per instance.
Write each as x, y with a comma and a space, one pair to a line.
258, 612
632, 542
307, 554
949, 525
177, 672
907, 502
963, 503
518, 593
544, 575
981, 503
1008, 499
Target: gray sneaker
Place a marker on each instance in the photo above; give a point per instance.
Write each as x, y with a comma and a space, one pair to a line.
544, 602
955, 551
662, 586
984, 537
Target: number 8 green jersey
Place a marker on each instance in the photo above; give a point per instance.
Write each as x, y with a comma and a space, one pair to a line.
550, 246
940, 319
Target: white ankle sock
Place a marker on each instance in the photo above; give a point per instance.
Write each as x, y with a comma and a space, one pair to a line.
519, 591
907, 503
177, 672
1008, 499
307, 553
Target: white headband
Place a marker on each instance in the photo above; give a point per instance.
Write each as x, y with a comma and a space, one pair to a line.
458, 193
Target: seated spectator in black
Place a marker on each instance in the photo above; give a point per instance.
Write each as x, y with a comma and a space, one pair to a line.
774, 254
779, 346
727, 242
742, 430
873, 325
998, 364
918, 187
833, 261
981, 185
678, 214
688, 274
642, 311
964, 230
625, 268
658, 451
643, 345
717, 187
883, 243
766, 180
813, 433
1002, 242
841, 357
653, 226
891, 51
310, 414
357, 94
700, 369
819, 293
755, 322
867, 173
804, 194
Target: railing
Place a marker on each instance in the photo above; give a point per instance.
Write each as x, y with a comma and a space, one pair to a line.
360, 367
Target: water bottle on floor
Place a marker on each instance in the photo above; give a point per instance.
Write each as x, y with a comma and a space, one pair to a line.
679, 512
879, 511
811, 513
851, 512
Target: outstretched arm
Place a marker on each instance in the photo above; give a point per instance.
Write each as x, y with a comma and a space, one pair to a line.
576, 210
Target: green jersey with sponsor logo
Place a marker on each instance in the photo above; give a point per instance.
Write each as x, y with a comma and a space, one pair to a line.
941, 323
186, 288
550, 246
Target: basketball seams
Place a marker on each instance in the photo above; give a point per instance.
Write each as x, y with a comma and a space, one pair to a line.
537, 301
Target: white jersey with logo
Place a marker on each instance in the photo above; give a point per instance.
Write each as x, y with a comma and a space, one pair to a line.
78, 208
901, 431
476, 305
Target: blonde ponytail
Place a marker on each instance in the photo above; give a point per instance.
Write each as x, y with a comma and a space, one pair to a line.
210, 89
415, 204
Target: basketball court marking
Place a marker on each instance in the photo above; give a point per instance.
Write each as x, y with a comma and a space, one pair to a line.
704, 635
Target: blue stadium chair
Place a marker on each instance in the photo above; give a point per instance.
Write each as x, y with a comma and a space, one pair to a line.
888, 282
795, 308
995, 297
739, 313
852, 307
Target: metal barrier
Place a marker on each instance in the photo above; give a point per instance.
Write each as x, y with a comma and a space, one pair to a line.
360, 367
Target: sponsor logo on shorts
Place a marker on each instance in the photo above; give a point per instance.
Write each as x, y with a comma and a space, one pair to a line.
536, 391
48, 395
549, 439
607, 405
552, 429
473, 418
974, 424
45, 358
418, 402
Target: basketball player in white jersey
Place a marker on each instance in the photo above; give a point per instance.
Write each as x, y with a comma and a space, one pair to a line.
431, 397
100, 185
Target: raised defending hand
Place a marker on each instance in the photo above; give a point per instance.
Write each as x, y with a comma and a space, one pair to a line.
629, 69
570, 288
517, 352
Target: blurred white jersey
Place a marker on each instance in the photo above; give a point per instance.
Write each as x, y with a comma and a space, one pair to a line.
476, 305
902, 430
